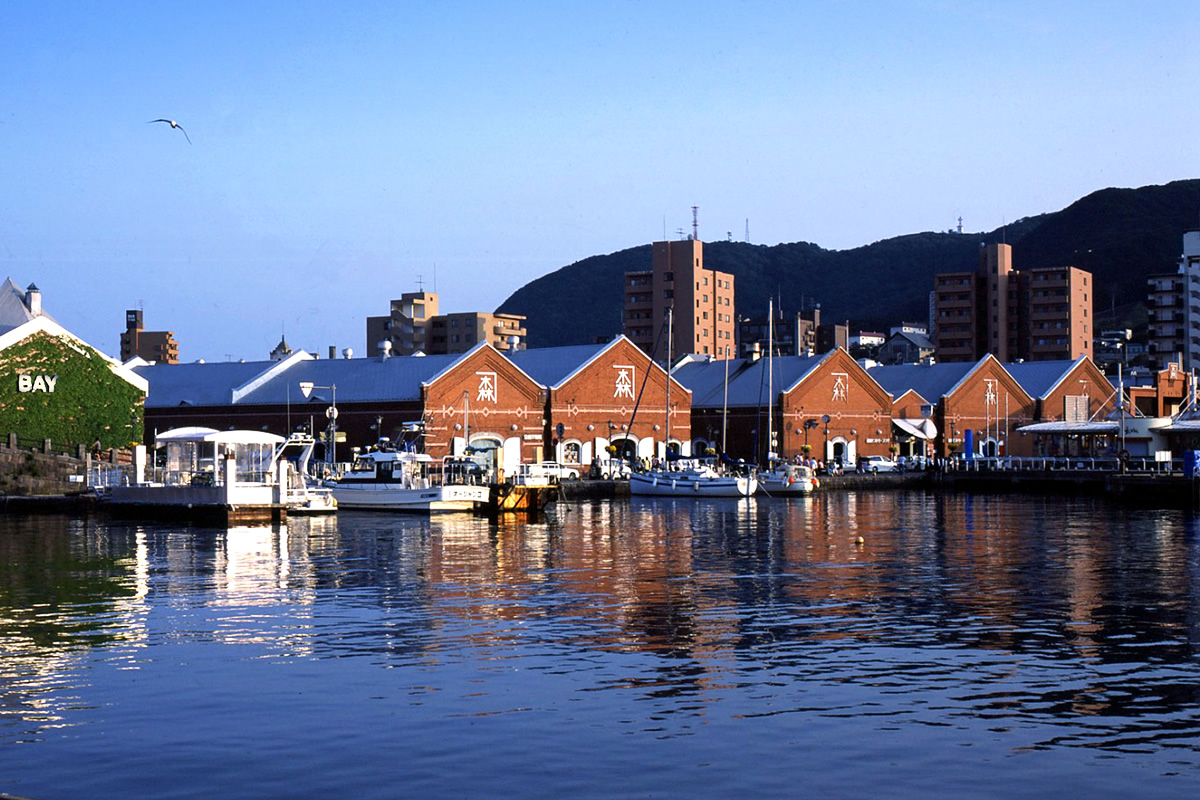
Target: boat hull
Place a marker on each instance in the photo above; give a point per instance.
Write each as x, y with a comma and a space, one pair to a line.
431, 500
667, 484
777, 487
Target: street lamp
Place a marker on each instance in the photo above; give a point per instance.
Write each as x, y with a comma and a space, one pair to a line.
331, 414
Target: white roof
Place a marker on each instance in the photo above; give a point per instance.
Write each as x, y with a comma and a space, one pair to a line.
211, 435
921, 428
1100, 427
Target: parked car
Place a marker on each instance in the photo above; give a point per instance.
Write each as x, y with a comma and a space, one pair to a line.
914, 462
610, 469
563, 472
877, 464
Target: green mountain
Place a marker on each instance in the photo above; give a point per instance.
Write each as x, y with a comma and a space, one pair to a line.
1119, 235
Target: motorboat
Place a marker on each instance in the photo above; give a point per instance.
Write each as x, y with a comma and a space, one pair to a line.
386, 479
302, 492
692, 478
785, 478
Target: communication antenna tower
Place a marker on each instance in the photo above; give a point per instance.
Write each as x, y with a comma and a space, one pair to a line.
695, 223
420, 283
747, 230
960, 225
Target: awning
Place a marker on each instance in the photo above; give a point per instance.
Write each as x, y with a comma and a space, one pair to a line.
921, 428
1099, 428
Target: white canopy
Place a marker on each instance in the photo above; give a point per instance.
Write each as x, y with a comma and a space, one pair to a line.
1059, 426
212, 435
920, 428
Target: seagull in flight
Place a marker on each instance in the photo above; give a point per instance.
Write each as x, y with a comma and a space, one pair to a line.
174, 124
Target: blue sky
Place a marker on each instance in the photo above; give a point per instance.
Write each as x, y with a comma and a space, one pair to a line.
339, 151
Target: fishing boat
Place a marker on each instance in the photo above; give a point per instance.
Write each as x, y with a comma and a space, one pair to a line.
787, 479
389, 480
692, 478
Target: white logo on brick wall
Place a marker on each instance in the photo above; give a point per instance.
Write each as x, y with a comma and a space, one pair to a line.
990, 396
841, 386
624, 385
487, 386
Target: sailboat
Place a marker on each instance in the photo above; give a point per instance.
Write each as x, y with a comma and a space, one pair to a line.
688, 477
781, 476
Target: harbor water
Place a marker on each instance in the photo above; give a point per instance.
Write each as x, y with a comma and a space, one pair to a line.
851, 644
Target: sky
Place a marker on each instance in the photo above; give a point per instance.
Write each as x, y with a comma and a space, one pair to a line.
344, 153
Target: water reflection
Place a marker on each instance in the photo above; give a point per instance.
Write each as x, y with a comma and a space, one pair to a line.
1069, 618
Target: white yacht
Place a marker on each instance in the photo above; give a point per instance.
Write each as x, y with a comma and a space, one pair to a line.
390, 480
691, 478
787, 479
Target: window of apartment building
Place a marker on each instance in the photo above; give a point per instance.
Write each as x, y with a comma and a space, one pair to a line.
706, 280
706, 315
668, 294
668, 276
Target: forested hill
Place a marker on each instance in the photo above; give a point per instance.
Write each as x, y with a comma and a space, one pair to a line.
1119, 235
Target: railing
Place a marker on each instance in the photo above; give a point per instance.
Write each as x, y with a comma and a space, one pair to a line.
1140, 465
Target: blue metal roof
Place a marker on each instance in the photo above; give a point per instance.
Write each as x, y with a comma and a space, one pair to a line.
197, 384
748, 379
1039, 378
552, 366
930, 381
358, 380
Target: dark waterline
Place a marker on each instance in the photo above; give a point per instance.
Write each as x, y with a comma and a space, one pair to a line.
967, 647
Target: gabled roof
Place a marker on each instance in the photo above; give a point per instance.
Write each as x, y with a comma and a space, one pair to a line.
916, 339
930, 381
554, 366
1040, 378
197, 384
44, 324
748, 379
454, 359
358, 380
13, 311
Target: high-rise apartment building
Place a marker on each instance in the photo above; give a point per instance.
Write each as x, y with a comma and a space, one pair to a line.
1035, 315
801, 334
1173, 301
701, 301
414, 325
156, 346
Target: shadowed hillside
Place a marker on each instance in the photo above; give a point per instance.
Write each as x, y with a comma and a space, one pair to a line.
1120, 235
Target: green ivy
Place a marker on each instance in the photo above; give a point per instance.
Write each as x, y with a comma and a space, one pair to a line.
89, 402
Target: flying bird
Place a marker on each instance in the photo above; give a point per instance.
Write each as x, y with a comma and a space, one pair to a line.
173, 124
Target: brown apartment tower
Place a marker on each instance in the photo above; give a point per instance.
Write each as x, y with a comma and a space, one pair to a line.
1032, 315
701, 301
156, 346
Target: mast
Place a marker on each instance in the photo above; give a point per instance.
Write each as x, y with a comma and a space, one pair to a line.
725, 403
667, 437
770, 377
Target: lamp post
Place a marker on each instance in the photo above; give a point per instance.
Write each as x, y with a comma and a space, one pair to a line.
331, 414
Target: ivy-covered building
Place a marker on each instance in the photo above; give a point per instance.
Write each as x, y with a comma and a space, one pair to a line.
55, 386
